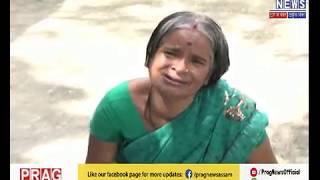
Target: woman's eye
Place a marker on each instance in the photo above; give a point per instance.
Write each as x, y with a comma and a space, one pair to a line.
170, 53
196, 61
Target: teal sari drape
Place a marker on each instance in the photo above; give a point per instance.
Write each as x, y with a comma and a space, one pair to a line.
202, 133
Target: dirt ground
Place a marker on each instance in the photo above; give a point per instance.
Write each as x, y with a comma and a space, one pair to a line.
66, 54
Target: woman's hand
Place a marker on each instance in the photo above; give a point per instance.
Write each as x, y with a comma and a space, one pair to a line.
263, 154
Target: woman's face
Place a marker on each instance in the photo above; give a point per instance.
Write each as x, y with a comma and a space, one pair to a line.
181, 65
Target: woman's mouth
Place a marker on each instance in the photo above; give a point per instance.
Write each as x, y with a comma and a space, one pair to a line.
174, 81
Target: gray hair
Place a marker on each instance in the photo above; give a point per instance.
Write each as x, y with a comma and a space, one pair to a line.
206, 26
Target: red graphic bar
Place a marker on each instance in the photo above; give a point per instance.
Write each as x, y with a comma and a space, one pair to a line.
278, 15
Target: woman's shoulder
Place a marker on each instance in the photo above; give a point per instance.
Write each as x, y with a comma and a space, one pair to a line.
118, 91
139, 86
124, 93
124, 88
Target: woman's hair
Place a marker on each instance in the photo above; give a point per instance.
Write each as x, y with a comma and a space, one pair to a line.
206, 26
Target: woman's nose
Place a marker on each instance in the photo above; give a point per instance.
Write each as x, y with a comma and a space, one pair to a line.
180, 65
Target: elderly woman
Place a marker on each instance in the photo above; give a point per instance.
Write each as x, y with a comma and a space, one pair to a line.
183, 112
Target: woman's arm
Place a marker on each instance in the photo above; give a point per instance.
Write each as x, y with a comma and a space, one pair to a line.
100, 152
263, 154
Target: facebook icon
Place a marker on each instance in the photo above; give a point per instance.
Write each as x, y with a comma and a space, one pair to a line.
188, 173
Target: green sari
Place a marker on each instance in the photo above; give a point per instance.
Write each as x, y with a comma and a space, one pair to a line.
220, 126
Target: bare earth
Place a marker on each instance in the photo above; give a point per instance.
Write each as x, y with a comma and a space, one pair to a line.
66, 54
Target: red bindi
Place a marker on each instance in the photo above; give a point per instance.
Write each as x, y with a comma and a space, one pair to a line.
193, 28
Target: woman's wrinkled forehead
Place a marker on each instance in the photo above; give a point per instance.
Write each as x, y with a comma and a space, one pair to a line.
194, 27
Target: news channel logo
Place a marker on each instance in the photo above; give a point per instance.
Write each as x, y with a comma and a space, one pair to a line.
40, 173
253, 173
189, 173
292, 9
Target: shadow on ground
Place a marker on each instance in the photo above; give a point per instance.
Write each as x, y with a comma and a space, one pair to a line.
39, 122
116, 20
291, 140
25, 13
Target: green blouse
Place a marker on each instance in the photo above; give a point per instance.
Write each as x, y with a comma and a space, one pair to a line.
116, 118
